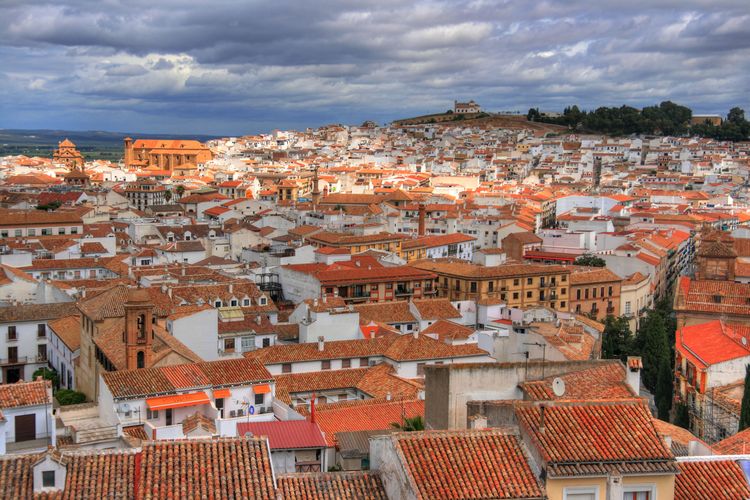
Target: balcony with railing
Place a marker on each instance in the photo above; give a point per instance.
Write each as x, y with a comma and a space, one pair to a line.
22, 360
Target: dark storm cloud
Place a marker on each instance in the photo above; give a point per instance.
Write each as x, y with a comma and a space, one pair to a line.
224, 66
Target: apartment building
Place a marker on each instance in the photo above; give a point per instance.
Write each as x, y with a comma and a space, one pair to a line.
19, 223
518, 285
595, 292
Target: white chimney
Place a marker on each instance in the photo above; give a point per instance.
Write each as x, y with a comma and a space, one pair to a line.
321, 343
479, 422
230, 287
416, 334
258, 319
633, 373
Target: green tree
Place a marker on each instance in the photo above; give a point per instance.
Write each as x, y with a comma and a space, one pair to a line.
745, 408
652, 345
415, 423
167, 195
179, 189
69, 397
664, 388
617, 341
681, 416
736, 115
47, 374
589, 260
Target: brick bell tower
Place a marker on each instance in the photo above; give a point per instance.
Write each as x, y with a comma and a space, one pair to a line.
138, 335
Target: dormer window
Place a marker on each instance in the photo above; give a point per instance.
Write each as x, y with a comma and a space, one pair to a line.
717, 299
262, 301
217, 303
233, 303
246, 302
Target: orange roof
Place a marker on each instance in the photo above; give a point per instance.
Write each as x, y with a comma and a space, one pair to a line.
714, 342
177, 401
365, 416
262, 389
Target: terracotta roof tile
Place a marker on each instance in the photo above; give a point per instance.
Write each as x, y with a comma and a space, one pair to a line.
331, 486
587, 437
716, 479
170, 379
25, 394
467, 464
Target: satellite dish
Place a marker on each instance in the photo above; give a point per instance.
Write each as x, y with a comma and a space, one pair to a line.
558, 387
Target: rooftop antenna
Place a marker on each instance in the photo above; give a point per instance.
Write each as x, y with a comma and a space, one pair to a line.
544, 352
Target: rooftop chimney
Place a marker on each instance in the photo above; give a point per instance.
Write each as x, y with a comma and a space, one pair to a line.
479, 422
422, 214
633, 373
258, 320
321, 343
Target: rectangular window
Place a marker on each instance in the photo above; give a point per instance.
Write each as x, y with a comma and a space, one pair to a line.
516, 282
627, 307
473, 287
48, 479
325, 364
61, 230
266, 342
12, 335
260, 399
515, 295
529, 281
32, 232
18, 233
343, 397
228, 345
346, 363
41, 330
528, 294
152, 414
586, 293
491, 286
363, 362
609, 291
286, 368
578, 294
420, 369
593, 293
41, 352
601, 290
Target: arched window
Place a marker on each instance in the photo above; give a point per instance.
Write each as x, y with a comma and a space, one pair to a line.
141, 326
140, 360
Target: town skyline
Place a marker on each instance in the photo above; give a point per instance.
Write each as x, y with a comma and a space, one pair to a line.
229, 69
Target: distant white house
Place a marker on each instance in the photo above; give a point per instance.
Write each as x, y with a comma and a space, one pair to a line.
466, 107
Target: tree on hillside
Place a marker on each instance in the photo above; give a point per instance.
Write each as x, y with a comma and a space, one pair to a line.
617, 339
589, 260
682, 416
745, 408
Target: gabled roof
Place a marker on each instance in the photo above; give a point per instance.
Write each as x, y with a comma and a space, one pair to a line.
591, 438
713, 342
467, 464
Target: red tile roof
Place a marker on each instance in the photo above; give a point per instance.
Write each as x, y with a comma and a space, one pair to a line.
714, 479
196, 468
467, 464
604, 382
331, 486
576, 435
25, 394
702, 295
738, 444
391, 345
170, 379
365, 416
714, 342
284, 435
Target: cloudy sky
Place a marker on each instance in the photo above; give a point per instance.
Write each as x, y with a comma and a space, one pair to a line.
231, 67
